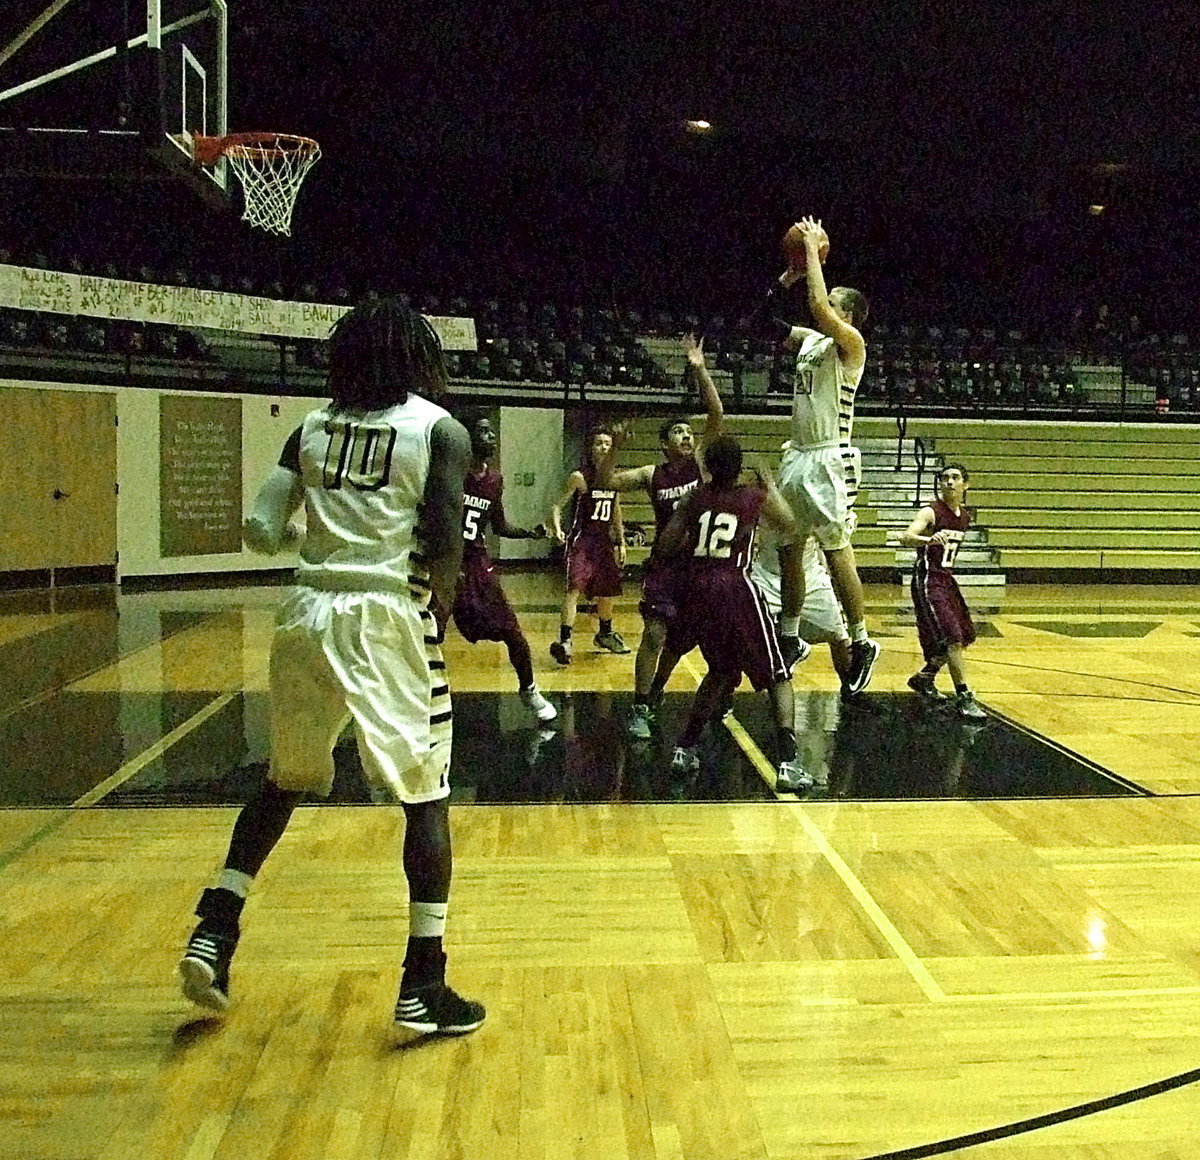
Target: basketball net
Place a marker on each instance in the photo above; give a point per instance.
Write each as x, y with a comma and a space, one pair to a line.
270, 167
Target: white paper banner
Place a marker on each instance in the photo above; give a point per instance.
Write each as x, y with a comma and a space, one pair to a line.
58, 292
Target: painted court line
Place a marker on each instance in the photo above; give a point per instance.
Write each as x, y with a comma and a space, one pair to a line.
1070, 996
912, 962
153, 753
122, 775
1033, 1123
54, 690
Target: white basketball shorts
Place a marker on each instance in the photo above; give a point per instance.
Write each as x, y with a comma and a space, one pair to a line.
372, 658
820, 615
821, 485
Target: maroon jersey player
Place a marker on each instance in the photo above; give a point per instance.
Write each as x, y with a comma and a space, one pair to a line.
667, 483
944, 624
481, 609
595, 544
722, 611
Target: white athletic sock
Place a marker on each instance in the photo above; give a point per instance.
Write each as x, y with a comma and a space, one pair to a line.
427, 919
235, 882
858, 631
789, 625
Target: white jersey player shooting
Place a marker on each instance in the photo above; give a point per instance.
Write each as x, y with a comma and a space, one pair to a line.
820, 470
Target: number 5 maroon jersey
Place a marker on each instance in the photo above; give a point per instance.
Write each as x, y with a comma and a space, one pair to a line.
481, 494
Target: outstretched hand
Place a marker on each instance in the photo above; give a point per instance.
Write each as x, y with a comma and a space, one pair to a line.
693, 350
813, 232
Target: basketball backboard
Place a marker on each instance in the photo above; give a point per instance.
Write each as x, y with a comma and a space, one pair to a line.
92, 89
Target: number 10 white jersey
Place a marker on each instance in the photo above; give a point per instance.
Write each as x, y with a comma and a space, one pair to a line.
364, 476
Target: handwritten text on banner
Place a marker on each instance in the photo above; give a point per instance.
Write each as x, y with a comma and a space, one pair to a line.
58, 292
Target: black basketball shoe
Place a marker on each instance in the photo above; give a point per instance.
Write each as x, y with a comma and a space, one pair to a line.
922, 683
204, 968
435, 1009
863, 654
795, 650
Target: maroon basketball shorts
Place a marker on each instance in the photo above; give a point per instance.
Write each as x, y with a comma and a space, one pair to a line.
663, 584
726, 615
592, 567
942, 615
481, 609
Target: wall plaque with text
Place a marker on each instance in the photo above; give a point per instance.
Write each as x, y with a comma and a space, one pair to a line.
200, 475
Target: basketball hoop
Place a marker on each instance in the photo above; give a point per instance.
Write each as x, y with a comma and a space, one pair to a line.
271, 168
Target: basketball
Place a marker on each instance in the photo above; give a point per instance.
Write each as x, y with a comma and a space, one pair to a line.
793, 247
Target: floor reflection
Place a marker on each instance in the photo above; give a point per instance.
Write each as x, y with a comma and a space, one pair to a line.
884, 746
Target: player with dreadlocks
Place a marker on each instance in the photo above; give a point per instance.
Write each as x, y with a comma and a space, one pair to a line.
379, 472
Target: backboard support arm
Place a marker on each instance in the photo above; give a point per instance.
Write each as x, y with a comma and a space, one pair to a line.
104, 54
31, 30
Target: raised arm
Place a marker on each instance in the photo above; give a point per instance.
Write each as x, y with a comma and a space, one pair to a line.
575, 482
268, 528
850, 343
633, 478
714, 410
441, 514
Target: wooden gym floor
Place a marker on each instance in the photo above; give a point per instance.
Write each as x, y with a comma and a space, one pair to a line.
967, 941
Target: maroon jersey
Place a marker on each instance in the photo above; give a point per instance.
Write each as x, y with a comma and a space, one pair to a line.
942, 556
720, 609
592, 566
595, 510
669, 483
482, 495
942, 615
721, 528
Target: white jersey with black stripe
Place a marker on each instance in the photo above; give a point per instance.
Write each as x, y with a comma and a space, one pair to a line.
822, 395
364, 477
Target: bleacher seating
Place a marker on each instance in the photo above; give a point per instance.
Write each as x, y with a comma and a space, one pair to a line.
1083, 498
571, 352
1097, 501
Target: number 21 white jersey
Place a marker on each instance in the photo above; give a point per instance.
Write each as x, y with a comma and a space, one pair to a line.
822, 395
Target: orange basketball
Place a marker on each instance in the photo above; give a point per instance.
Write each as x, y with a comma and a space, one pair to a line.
793, 247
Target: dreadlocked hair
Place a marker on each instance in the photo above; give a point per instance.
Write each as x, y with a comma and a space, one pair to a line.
379, 352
